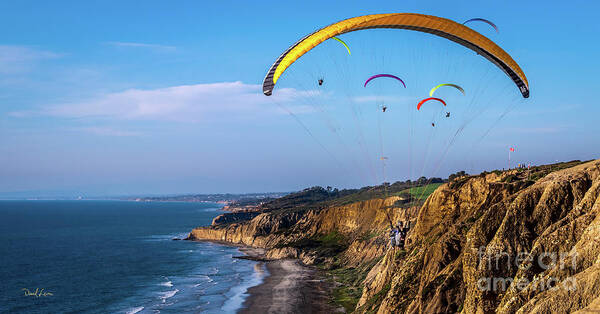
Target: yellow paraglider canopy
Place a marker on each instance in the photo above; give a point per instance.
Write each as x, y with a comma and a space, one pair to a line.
418, 22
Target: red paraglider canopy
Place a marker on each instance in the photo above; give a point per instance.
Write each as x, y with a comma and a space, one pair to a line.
428, 99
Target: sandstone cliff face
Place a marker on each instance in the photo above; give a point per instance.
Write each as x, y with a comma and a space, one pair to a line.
484, 246
363, 226
481, 244
260, 231
227, 218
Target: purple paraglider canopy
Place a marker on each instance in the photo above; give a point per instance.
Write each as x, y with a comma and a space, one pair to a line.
384, 75
478, 19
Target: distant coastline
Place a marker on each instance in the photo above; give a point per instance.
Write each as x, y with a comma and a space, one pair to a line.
224, 199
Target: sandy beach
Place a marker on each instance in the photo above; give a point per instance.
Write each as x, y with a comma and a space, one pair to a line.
289, 288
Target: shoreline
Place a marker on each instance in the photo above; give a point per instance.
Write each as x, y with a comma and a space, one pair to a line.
288, 287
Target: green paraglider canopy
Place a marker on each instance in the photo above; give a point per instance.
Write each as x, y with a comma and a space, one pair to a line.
446, 84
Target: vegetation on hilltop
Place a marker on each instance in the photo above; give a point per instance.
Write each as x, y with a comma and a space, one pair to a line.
318, 197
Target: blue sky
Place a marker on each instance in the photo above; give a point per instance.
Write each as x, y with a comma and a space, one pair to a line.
124, 97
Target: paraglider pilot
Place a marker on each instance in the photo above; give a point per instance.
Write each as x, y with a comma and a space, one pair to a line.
402, 233
320, 81
393, 233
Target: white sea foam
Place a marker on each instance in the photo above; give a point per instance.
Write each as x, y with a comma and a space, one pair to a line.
219, 284
135, 310
238, 293
204, 278
166, 284
165, 295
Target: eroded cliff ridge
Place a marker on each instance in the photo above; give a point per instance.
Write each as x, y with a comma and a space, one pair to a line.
519, 241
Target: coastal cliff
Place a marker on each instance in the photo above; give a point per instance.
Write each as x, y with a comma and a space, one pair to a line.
524, 240
358, 226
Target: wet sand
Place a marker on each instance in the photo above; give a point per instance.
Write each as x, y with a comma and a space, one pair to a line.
290, 288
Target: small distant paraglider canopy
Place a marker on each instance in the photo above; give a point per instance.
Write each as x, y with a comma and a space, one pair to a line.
383, 158
384, 75
429, 99
446, 84
343, 43
437, 26
478, 19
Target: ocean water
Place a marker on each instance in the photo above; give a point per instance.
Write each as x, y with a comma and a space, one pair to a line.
116, 257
